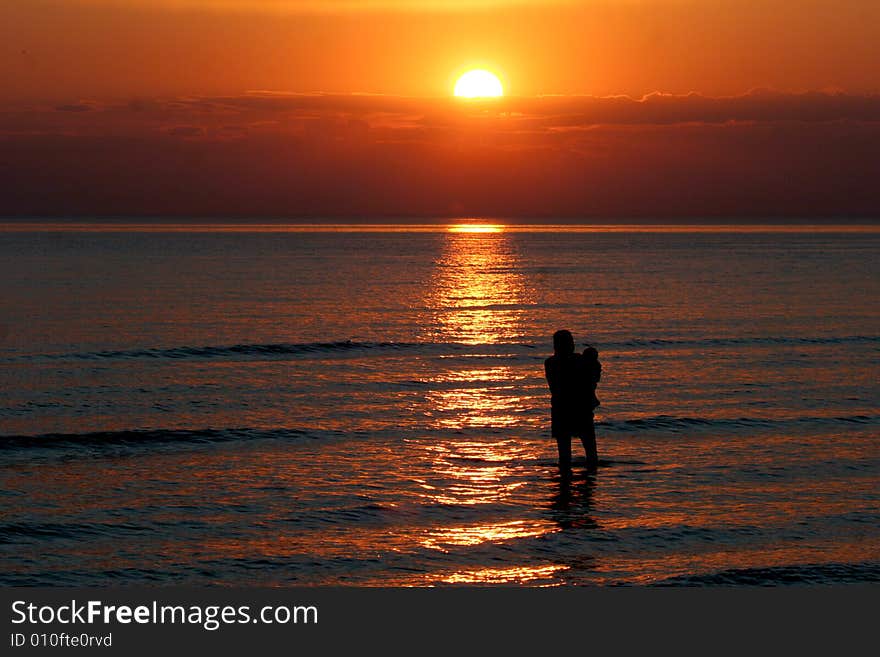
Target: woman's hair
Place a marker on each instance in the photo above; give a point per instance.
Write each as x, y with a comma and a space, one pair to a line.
563, 342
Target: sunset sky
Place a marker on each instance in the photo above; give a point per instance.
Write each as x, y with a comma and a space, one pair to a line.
324, 108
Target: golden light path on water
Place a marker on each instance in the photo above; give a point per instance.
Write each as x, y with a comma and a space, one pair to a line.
516, 575
471, 471
478, 295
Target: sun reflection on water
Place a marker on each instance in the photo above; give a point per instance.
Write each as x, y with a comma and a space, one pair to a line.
485, 398
478, 295
515, 575
468, 472
476, 228
470, 535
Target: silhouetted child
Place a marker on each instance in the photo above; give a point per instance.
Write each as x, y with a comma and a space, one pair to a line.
593, 370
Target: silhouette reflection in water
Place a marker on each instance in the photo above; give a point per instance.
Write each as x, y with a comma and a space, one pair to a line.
572, 502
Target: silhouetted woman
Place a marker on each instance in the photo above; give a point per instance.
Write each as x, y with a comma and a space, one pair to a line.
570, 412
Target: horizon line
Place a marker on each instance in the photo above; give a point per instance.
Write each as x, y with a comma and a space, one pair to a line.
458, 225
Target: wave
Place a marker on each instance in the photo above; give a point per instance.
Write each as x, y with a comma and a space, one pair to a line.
279, 349
746, 341
344, 348
13, 531
148, 437
157, 436
669, 423
308, 349
812, 574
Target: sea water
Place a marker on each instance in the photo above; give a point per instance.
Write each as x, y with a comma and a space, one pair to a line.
367, 406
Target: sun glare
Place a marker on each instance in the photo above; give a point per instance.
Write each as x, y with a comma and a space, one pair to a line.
478, 84
476, 228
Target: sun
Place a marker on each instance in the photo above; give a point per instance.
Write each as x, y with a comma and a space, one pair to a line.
478, 84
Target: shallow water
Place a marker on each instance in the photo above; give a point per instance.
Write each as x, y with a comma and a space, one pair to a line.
369, 407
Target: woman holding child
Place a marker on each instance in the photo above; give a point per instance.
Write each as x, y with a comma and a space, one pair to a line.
572, 378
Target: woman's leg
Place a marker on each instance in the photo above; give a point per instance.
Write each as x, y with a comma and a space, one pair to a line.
588, 439
560, 428
564, 445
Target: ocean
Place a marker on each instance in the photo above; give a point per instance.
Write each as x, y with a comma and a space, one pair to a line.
366, 405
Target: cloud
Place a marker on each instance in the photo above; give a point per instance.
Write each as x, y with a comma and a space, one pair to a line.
562, 111
75, 107
332, 6
762, 154
286, 112
667, 109
186, 131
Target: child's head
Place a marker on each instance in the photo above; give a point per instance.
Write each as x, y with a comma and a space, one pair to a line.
590, 353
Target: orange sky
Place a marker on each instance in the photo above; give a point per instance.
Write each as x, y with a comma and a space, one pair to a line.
123, 48
659, 108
